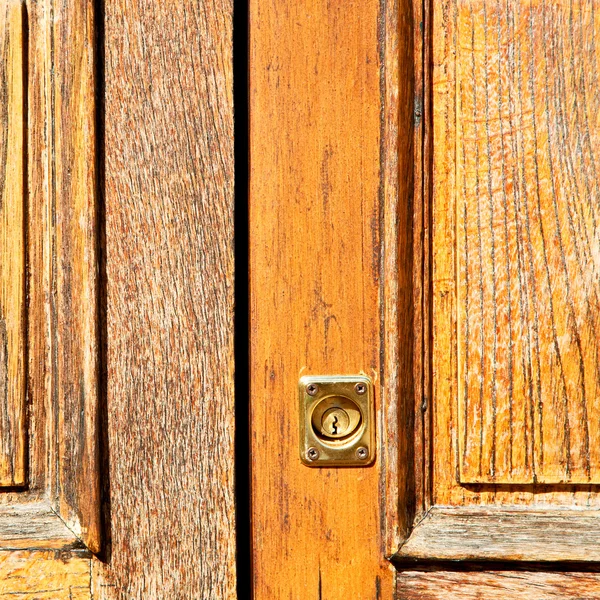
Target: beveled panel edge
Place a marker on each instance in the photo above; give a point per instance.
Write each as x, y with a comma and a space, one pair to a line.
13, 427
36, 526
486, 534
63, 274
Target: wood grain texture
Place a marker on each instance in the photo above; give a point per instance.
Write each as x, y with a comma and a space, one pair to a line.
168, 186
457, 38
44, 576
395, 451
402, 289
61, 240
315, 256
13, 441
527, 242
505, 148
35, 525
74, 268
442, 435
501, 534
497, 585
41, 469
422, 257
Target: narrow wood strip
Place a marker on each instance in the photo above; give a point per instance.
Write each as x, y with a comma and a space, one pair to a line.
395, 376
422, 254
74, 271
496, 585
39, 250
542, 535
12, 246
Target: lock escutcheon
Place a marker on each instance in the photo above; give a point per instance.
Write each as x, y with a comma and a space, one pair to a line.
336, 420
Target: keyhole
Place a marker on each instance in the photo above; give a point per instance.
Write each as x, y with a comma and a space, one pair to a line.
334, 425
335, 418
335, 422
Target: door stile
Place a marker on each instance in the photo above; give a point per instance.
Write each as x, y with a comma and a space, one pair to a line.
317, 185
522, 522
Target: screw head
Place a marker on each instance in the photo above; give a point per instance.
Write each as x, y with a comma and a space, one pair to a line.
312, 454
360, 388
362, 453
312, 389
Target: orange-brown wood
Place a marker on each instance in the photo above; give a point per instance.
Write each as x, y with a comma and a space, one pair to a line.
402, 282
44, 576
168, 189
170, 518
58, 268
484, 53
515, 356
476, 584
421, 26
526, 195
13, 442
74, 325
315, 278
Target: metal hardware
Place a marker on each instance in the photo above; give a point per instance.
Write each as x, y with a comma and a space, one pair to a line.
336, 420
312, 389
360, 388
312, 454
362, 453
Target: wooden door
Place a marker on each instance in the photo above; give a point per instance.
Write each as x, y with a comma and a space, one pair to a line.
423, 211
116, 300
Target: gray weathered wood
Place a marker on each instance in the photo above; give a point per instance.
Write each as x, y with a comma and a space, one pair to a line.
501, 534
35, 525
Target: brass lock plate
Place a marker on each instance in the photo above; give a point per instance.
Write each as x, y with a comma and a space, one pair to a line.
336, 420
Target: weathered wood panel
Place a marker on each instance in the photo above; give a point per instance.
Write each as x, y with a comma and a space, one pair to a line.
62, 240
61, 264
402, 237
35, 525
44, 576
502, 534
315, 243
12, 245
527, 241
168, 186
515, 380
41, 470
497, 585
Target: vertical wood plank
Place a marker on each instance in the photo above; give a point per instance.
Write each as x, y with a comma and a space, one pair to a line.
42, 439
62, 241
445, 441
402, 289
12, 246
74, 268
315, 216
168, 185
515, 269
443, 253
527, 195
422, 263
